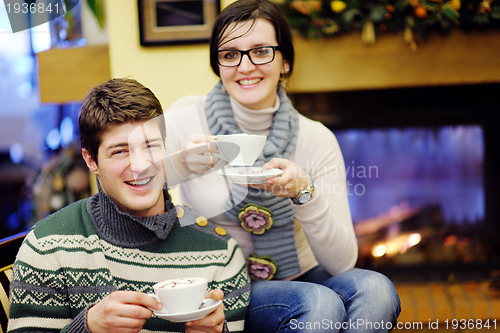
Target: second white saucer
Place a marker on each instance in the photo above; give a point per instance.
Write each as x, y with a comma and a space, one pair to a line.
248, 175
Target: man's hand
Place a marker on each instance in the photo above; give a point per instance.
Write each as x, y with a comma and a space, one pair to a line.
121, 311
214, 322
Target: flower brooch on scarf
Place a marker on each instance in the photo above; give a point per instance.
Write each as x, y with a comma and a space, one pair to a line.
256, 219
261, 268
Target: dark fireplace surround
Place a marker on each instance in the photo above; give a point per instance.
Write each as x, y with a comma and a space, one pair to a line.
429, 107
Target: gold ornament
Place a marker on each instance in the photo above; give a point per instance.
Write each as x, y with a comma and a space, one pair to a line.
414, 3
368, 33
409, 38
338, 6
455, 4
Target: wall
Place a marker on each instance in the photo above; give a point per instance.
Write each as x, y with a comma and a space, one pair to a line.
169, 71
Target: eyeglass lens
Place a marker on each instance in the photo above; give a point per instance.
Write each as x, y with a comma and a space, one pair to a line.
258, 56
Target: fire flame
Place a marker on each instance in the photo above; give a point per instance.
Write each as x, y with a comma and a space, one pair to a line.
400, 244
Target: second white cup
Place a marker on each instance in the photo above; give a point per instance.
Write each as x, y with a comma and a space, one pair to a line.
240, 149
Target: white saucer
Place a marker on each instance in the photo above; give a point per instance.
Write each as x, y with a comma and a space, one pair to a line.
205, 309
248, 175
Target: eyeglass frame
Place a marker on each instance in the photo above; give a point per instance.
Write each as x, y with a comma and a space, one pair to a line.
247, 53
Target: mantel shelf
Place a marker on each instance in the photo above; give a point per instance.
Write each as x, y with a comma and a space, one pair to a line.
344, 63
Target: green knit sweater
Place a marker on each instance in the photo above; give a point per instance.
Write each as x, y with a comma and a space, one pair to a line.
64, 267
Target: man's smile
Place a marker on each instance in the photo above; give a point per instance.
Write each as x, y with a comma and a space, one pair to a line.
140, 182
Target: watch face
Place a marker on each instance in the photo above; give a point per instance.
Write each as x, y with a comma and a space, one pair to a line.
304, 198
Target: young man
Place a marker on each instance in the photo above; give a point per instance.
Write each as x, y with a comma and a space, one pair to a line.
89, 266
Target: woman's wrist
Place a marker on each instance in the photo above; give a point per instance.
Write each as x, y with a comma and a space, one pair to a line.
305, 195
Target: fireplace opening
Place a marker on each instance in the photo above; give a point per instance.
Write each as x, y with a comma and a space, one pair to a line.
391, 170
422, 170
417, 195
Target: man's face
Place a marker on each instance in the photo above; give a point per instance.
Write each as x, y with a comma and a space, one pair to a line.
131, 168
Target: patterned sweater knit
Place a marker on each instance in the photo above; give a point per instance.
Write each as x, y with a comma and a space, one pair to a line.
64, 266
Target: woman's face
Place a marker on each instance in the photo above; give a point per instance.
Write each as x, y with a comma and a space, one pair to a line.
253, 86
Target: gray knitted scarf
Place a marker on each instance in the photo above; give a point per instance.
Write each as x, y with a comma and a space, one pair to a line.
275, 242
122, 229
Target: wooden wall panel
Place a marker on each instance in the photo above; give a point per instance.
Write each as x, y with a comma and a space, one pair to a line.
67, 74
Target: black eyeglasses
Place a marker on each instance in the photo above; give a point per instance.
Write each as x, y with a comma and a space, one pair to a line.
258, 56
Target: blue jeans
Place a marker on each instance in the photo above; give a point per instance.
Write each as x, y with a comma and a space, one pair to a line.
358, 301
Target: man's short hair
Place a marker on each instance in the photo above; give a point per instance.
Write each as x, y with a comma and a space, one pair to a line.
116, 102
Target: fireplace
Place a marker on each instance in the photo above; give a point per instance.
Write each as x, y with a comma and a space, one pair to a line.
423, 168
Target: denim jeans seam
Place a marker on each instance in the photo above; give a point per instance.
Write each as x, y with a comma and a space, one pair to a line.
342, 295
269, 306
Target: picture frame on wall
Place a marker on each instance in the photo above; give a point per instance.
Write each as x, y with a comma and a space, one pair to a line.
176, 21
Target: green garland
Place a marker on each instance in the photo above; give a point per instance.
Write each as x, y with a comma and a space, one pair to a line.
325, 18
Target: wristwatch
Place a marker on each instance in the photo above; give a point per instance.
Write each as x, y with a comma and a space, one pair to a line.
304, 196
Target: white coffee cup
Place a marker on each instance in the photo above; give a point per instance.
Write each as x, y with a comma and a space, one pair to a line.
240, 149
181, 295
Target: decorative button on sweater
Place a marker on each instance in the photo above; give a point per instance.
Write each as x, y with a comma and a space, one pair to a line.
201, 221
180, 211
220, 231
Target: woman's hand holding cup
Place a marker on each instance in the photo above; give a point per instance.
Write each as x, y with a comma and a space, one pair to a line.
289, 183
197, 154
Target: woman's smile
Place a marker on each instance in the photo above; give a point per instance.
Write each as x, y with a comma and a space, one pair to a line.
249, 82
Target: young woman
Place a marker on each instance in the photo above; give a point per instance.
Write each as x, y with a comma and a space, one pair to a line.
296, 229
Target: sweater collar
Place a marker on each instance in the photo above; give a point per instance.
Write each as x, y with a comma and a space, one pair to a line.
254, 121
122, 229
